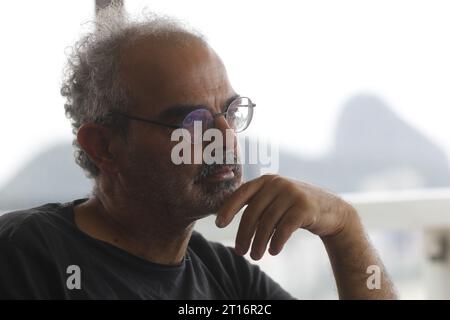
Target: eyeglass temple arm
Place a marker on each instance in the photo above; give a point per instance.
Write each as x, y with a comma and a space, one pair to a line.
146, 120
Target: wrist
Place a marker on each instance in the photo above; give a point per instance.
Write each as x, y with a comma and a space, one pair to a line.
351, 228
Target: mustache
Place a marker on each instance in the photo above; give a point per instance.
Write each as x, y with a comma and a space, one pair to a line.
208, 169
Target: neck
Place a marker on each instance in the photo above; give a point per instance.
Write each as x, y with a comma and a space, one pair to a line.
149, 234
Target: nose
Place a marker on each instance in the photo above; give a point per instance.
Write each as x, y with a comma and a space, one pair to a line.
222, 124
228, 134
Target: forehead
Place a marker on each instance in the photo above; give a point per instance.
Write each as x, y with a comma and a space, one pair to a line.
164, 72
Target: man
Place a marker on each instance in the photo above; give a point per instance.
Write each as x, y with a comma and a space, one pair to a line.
129, 86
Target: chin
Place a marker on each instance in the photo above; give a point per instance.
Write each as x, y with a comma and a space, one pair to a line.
215, 195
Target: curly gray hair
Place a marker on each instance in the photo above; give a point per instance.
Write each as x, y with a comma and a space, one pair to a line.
91, 83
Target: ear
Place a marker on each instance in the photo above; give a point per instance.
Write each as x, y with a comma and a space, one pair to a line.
97, 141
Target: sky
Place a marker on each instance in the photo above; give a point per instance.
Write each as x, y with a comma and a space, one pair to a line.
299, 61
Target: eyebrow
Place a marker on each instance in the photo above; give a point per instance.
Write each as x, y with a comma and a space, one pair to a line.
183, 109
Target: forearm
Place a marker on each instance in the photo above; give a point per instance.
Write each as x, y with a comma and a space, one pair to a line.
351, 254
277, 207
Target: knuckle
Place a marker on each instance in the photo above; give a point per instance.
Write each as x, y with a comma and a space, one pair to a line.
268, 177
278, 181
310, 221
291, 224
292, 189
301, 200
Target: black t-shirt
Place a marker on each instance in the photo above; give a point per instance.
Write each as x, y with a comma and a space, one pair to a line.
43, 255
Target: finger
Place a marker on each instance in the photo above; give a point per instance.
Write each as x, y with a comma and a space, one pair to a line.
287, 225
271, 216
251, 216
238, 199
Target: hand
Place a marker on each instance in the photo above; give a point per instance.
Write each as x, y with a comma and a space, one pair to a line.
278, 206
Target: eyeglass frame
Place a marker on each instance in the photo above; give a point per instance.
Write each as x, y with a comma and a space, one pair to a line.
180, 126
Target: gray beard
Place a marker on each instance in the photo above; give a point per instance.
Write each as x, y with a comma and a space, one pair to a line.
214, 195
186, 200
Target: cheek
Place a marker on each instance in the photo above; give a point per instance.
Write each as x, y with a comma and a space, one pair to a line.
156, 160
145, 144
141, 155
153, 150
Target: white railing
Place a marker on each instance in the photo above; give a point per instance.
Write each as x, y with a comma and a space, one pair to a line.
425, 210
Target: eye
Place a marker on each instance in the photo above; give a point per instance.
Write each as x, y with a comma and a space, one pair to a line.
202, 115
231, 112
189, 118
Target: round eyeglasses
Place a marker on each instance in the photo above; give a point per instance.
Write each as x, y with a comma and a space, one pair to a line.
238, 115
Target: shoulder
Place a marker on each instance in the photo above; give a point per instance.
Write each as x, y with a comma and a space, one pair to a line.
29, 225
26, 266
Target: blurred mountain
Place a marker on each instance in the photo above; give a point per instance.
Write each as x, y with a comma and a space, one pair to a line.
52, 176
374, 149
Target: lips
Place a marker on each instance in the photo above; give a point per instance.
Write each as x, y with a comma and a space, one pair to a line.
220, 174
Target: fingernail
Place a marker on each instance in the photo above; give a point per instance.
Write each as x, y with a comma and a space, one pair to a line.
219, 222
255, 256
